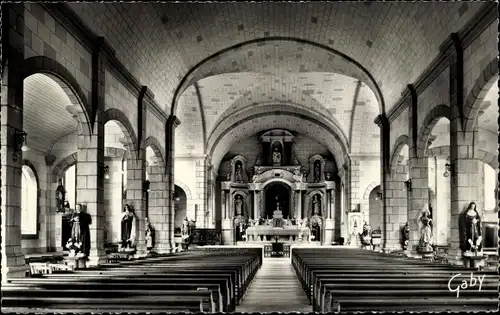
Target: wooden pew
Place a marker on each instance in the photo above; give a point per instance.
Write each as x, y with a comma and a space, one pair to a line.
348, 280
165, 283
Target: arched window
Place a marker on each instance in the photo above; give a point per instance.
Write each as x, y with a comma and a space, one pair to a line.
29, 202
69, 183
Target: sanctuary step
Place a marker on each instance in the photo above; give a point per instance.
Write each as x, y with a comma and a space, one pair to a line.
275, 288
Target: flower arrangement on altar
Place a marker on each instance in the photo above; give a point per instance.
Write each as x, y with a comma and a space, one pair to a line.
73, 247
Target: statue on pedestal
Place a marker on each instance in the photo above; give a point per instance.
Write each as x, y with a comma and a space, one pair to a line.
471, 238
60, 197
80, 232
366, 237
276, 157
149, 235
127, 220
406, 236
426, 238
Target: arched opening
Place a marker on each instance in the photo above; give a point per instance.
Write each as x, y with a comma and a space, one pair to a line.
53, 117
69, 182
490, 188
439, 195
375, 209
29, 202
180, 208
115, 181
277, 197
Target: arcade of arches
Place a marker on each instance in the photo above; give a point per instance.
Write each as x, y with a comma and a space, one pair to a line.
237, 125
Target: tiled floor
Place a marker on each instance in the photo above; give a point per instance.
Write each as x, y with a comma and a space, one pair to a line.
275, 288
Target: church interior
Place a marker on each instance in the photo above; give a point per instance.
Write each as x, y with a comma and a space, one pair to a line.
249, 157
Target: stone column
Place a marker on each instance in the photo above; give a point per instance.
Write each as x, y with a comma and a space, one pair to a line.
419, 198
157, 207
397, 205
166, 235
223, 204
464, 174
255, 204
298, 194
13, 263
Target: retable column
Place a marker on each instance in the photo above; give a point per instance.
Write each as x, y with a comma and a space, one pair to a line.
13, 264
329, 221
226, 224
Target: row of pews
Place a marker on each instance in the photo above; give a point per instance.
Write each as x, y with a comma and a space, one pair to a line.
345, 280
204, 280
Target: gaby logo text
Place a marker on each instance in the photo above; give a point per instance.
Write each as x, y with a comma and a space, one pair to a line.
455, 285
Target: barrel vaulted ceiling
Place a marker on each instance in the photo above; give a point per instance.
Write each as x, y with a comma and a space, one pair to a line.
209, 62
161, 42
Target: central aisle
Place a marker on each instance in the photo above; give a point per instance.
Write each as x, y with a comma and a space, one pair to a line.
275, 288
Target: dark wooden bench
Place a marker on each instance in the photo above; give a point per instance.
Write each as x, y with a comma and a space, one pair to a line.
213, 279
348, 280
194, 300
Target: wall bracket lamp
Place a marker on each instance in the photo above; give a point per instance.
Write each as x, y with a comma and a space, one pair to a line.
146, 186
448, 169
20, 144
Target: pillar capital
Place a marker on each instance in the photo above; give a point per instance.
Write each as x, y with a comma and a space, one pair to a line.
226, 185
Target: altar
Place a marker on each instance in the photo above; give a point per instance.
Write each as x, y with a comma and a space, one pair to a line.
278, 197
293, 232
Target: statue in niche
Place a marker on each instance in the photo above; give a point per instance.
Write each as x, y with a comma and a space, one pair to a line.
126, 225
470, 230
238, 176
317, 172
80, 230
276, 157
238, 205
316, 205
60, 197
228, 177
425, 224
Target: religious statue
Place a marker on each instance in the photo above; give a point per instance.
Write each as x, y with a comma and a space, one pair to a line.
470, 230
316, 205
258, 161
149, 235
406, 236
238, 176
276, 157
426, 238
297, 175
366, 237
317, 173
80, 231
228, 176
185, 226
60, 197
238, 205
127, 220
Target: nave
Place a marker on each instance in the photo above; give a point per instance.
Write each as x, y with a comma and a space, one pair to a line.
220, 279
